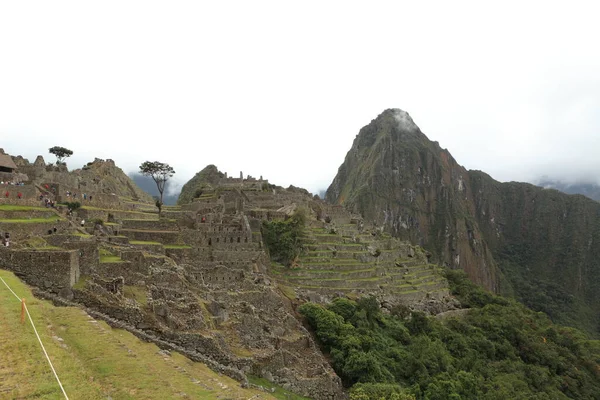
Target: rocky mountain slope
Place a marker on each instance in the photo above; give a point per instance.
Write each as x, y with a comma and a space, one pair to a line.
540, 245
100, 177
210, 175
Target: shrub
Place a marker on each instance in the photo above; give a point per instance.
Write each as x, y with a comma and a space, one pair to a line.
73, 205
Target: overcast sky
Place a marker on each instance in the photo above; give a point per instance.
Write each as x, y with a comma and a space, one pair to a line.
281, 89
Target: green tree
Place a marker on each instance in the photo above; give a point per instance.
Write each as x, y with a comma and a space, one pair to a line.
61, 153
160, 174
285, 239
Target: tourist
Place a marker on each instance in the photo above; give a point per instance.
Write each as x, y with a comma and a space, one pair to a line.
82, 223
6, 194
19, 195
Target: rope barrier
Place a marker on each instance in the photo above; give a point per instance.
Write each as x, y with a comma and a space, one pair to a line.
38, 336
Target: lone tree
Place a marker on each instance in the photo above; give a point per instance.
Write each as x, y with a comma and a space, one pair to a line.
160, 173
61, 153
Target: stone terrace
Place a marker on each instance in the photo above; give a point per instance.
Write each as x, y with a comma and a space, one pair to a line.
340, 259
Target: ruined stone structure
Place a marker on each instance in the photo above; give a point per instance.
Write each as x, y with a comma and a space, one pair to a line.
199, 276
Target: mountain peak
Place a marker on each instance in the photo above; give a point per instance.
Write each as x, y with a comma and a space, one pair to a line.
401, 119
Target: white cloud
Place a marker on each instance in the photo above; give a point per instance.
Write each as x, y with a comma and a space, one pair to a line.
280, 90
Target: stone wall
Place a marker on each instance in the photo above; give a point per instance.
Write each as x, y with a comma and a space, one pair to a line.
91, 213
162, 224
19, 230
56, 271
14, 177
28, 192
88, 255
164, 237
29, 214
216, 239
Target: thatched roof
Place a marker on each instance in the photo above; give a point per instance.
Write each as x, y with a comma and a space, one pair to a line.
6, 161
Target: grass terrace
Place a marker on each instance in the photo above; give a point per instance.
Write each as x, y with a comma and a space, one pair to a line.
31, 220
107, 257
11, 207
145, 242
93, 360
177, 246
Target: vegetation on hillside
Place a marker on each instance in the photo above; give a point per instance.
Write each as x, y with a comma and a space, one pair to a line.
285, 238
497, 350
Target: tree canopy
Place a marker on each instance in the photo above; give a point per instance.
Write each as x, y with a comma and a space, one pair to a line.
497, 350
61, 153
159, 172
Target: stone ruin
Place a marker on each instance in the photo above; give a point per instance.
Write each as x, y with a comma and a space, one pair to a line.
199, 276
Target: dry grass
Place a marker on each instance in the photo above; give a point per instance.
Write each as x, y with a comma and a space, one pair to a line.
93, 360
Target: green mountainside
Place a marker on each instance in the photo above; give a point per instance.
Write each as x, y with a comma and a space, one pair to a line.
515, 238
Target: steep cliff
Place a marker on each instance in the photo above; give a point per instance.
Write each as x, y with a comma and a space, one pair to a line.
516, 238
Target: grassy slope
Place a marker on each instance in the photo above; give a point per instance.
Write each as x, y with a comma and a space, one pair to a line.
93, 360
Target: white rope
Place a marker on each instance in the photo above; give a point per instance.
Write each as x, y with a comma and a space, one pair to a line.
39, 340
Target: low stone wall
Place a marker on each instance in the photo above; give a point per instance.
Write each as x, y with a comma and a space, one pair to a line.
20, 230
116, 269
29, 214
228, 255
221, 275
118, 239
192, 255
159, 225
88, 255
164, 237
28, 192
56, 271
111, 214
149, 247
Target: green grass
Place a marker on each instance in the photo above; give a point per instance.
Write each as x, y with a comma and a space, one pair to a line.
288, 292
138, 293
177, 246
110, 259
144, 242
112, 210
80, 234
11, 207
279, 392
80, 284
30, 220
93, 360
45, 248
